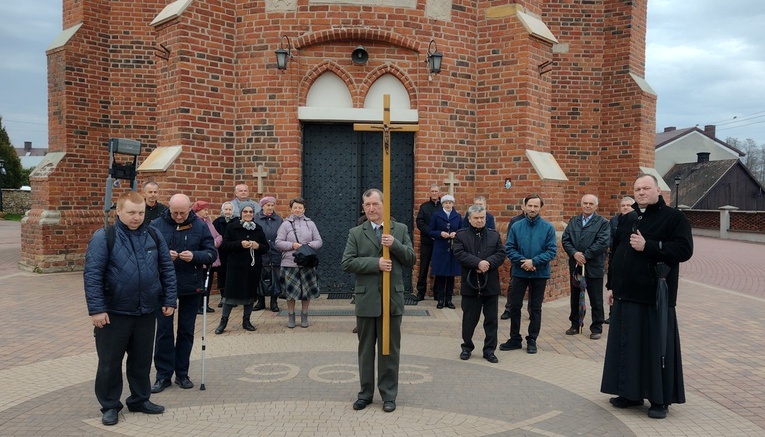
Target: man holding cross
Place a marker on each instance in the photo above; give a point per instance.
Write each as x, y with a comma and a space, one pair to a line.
363, 256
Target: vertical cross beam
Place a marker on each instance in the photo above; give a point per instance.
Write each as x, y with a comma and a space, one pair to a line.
386, 129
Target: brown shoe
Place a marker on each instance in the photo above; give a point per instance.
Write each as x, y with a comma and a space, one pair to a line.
572, 331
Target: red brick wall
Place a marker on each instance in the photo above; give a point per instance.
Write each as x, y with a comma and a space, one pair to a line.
220, 96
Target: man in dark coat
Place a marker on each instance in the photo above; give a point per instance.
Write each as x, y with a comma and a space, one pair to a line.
635, 366
153, 208
191, 248
480, 254
124, 287
625, 207
363, 257
426, 241
586, 240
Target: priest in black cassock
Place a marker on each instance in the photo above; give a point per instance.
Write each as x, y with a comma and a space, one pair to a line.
643, 352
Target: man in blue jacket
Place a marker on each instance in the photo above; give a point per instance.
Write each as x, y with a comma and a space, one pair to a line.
530, 247
191, 246
124, 286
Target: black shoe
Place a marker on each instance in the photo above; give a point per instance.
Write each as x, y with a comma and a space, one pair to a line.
220, 304
621, 402
658, 411
389, 406
222, 325
210, 310
260, 304
510, 345
531, 348
420, 297
572, 331
246, 324
199, 311
450, 305
160, 385
110, 417
440, 305
147, 407
505, 315
184, 382
465, 355
274, 304
607, 321
596, 336
360, 404
490, 357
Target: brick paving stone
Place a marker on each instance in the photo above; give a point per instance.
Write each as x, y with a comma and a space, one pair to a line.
301, 382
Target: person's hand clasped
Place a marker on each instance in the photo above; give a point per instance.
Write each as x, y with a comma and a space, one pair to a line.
186, 255
173, 255
579, 258
100, 320
528, 265
387, 240
483, 266
385, 265
637, 241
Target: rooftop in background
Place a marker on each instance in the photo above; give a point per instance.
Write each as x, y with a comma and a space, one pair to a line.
30, 156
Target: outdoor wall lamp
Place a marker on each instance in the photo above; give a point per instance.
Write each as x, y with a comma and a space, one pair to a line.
434, 58
283, 54
677, 191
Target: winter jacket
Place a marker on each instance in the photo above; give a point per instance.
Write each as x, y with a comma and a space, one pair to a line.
243, 265
424, 215
133, 280
631, 274
443, 262
192, 235
592, 240
270, 226
534, 240
471, 246
307, 233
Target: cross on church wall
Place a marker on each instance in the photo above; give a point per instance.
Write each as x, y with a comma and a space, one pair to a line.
260, 174
451, 181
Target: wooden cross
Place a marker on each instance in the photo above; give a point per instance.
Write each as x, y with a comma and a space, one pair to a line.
260, 174
451, 181
386, 129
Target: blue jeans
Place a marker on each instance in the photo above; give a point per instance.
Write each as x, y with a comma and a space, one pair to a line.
171, 355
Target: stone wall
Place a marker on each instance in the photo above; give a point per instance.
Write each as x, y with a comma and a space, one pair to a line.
16, 201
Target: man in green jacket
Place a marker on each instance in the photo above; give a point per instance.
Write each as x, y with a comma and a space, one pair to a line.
363, 257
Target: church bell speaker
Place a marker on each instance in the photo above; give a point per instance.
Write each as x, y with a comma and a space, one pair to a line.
360, 55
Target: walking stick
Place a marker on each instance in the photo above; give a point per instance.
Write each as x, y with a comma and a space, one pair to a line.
204, 326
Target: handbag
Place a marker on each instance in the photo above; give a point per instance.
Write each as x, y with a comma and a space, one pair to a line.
305, 255
269, 282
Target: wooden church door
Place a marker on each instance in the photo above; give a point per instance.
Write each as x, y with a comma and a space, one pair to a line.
339, 164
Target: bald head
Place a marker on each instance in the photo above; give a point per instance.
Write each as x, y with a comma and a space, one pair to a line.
179, 207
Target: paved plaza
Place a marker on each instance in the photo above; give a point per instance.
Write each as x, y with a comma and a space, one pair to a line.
301, 382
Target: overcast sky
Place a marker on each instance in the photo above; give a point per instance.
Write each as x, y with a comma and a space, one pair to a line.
705, 60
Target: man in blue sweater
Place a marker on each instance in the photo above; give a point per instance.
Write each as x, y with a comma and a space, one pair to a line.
530, 247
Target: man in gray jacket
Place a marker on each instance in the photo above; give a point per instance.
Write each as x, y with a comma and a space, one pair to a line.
586, 240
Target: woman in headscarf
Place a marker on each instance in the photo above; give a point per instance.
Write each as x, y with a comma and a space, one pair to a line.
245, 243
444, 265
220, 223
298, 283
270, 221
203, 213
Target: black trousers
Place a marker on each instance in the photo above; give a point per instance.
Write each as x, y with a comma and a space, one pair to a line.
471, 313
426, 254
443, 288
133, 335
595, 292
536, 288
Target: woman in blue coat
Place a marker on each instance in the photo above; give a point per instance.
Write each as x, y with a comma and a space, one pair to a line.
444, 225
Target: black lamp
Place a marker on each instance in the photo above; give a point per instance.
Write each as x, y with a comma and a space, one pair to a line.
283, 54
434, 58
677, 191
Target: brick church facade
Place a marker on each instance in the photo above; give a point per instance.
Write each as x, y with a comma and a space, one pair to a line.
563, 78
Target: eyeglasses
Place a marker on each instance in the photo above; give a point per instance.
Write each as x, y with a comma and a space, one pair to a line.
179, 213
248, 212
